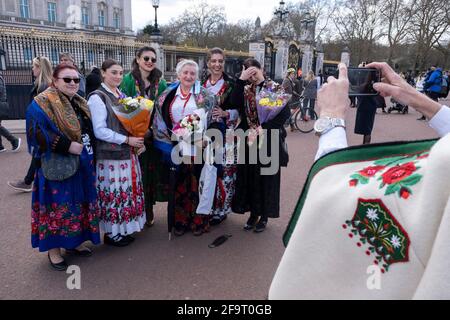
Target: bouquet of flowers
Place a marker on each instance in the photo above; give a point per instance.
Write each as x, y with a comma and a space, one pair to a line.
270, 100
134, 114
190, 125
187, 126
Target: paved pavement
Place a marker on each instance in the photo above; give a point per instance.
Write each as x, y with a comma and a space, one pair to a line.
154, 268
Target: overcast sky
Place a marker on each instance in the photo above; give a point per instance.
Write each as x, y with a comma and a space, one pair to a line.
144, 13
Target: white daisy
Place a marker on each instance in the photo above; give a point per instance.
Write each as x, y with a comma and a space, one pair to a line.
372, 214
395, 241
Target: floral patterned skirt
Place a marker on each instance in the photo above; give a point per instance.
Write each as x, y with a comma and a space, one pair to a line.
226, 183
187, 199
120, 196
64, 213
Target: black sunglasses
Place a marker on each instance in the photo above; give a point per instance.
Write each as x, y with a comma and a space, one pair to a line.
147, 59
69, 80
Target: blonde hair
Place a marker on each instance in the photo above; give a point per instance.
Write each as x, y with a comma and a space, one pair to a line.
46, 74
310, 76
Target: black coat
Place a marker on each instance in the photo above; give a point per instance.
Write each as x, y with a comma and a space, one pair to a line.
257, 193
93, 81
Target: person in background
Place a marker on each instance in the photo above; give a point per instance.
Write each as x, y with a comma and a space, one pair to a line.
310, 84
4, 113
68, 59
433, 85
93, 80
290, 85
42, 72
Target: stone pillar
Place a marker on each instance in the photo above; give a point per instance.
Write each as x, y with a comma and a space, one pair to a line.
258, 50
156, 43
282, 59
345, 56
307, 60
319, 62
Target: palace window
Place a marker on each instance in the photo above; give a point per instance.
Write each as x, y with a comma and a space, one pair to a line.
101, 18
116, 20
24, 9
28, 54
51, 8
54, 55
85, 16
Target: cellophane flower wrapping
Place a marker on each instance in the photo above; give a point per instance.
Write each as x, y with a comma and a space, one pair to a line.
270, 100
191, 125
134, 114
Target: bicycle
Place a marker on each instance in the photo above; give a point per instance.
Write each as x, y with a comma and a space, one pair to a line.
302, 118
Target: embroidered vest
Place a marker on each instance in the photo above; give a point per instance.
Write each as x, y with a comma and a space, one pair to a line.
111, 151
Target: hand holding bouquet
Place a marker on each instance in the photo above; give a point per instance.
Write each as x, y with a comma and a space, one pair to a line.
134, 114
189, 128
270, 101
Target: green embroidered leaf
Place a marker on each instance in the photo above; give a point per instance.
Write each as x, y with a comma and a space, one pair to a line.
412, 180
363, 180
388, 161
393, 188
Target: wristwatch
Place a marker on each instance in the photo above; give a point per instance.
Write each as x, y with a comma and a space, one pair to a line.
325, 124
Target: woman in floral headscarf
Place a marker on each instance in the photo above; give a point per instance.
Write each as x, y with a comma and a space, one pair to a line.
188, 97
64, 211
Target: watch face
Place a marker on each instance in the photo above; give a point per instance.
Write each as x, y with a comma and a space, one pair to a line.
322, 124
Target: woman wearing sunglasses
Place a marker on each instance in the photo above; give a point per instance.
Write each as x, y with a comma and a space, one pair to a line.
145, 80
119, 187
63, 205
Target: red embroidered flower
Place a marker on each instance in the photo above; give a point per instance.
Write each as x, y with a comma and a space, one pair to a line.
371, 171
404, 193
399, 173
353, 183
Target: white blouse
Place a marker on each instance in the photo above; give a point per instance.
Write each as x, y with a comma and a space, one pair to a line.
214, 89
99, 114
182, 108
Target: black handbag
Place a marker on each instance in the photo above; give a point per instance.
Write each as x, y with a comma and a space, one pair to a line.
57, 167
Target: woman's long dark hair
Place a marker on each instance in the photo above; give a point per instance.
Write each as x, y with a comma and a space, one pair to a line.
154, 76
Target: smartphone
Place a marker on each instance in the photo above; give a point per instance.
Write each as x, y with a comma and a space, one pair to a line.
362, 80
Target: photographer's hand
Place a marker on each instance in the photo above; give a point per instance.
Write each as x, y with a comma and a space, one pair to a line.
395, 86
332, 98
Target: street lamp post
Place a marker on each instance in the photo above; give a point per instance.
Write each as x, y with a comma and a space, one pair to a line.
281, 11
155, 4
306, 21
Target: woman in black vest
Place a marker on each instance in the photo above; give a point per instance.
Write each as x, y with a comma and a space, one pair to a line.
119, 184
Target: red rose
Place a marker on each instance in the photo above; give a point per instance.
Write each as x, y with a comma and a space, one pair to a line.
353, 183
371, 171
399, 173
404, 193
